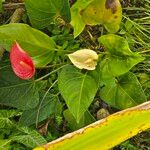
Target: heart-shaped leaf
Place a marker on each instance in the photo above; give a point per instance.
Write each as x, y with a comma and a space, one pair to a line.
123, 92
43, 12
78, 89
120, 59
106, 12
93, 12
37, 44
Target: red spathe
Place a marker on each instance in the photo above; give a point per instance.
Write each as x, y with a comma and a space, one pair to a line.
21, 62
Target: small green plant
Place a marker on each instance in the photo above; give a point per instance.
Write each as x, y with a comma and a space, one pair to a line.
12, 133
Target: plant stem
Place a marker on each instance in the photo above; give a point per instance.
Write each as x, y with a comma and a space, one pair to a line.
50, 66
146, 51
11, 6
17, 15
37, 117
39, 79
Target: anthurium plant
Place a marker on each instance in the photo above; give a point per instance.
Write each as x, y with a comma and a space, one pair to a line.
53, 80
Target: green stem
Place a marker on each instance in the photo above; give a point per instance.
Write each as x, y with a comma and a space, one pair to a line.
41, 78
146, 51
38, 112
50, 66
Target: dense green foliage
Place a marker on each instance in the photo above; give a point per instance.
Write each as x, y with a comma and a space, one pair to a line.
61, 98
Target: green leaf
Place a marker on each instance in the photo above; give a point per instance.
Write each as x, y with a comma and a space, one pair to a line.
5, 144
43, 12
64, 8
77, 89
119, 59
29, 137
93, 12
106, 133
37, 44
1, 52
41, 85
106, 12
86, 119
49, 105
5, 116
77, 23
1, 8
124, 92
76, 18
15, 92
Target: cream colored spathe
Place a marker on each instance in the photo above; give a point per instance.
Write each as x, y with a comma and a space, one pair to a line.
84, 59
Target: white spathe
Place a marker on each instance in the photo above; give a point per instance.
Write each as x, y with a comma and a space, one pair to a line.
84, 59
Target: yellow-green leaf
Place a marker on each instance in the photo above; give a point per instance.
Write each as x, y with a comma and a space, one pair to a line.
119, 59
106, 12
84, 59
106, 133
76, 18
93, 12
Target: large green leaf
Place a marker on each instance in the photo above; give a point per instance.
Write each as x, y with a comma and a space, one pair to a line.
37, 44
106, 12
4, 143
5, 116
78, 89
123, 92
28, 137
106, 133
43, 12
119, 59
15, 92
49, 105
93, 12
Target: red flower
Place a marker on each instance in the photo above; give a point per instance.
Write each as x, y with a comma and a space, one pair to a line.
21, 62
